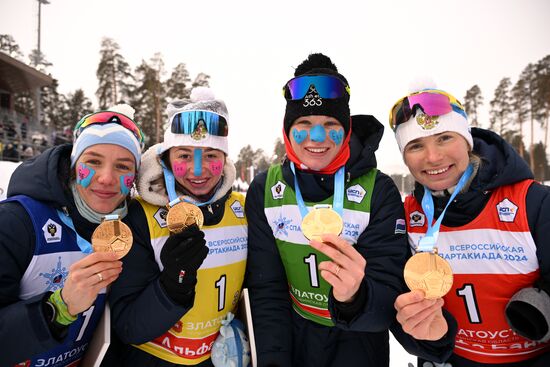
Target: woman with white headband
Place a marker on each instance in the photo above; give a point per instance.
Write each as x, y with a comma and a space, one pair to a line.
482, 222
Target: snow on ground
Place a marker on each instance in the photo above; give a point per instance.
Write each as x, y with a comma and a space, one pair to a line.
6, 169
398, 356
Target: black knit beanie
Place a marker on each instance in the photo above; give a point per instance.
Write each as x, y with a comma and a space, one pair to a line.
337, 108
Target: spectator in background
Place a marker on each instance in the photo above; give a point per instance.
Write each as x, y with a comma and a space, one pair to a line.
10, 153
10, 131
28, 152
23, 128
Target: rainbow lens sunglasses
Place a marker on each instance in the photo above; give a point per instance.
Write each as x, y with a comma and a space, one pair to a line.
328, 86
107, 117
433, 102
192, 122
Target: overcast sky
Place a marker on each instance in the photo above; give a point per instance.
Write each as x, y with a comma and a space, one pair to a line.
250, 48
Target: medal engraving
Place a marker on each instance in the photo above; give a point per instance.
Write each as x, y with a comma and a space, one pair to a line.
183, 215
429, 272
112, 236
320, 221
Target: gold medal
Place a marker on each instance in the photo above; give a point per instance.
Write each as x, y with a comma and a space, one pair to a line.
320, 220
430, 272
183, 215
112, 235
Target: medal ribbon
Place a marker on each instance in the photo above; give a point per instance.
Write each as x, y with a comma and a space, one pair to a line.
338, 198
85, 246
427, 243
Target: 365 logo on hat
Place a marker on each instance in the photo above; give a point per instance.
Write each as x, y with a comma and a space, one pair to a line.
312, 98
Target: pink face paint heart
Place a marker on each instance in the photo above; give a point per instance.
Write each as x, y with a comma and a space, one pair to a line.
216, 168
179, 168
129, 180
83, 171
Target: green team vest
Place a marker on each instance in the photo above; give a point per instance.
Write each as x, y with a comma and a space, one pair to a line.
308, 290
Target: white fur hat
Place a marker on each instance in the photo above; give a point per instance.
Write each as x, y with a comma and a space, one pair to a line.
202, 99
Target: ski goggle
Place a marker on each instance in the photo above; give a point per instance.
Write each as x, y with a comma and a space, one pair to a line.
433, 102
194, 122
327, 86
107, 117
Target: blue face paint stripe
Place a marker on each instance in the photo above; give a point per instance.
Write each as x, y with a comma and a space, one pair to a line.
317, 133
197, 161
86, 181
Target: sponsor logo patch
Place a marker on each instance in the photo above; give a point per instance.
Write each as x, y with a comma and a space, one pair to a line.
237, 209
52, 231
417, 219
507, 211
400, 226
56, 278
278, 190
281, 226
160, 217
356, 193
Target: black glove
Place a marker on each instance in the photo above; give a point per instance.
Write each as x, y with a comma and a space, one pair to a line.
181, 256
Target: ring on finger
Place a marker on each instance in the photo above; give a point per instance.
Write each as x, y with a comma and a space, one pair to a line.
100, 277
337, 269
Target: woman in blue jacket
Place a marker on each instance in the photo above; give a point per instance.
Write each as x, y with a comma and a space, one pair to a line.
52, 287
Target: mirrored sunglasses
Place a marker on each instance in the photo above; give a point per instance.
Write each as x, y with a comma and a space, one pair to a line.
432, 102
190, 122
327, 86
107, 117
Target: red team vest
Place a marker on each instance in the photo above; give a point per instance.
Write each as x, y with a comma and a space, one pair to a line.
492, 257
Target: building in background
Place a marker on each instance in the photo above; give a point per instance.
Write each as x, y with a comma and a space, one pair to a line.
17, 130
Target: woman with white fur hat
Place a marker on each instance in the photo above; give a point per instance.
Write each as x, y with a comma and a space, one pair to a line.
475, 204
52, 284
169, 301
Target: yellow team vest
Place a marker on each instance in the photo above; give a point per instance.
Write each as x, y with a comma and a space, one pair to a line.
219, 282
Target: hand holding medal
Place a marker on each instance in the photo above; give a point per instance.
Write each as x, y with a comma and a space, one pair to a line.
112, 235
430, 273
182, 215
426, 270
322, 226
322, 219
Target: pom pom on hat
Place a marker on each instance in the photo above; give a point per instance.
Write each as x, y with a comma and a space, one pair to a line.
202, 94
421, 82
109, 133
201, 99
124, 109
